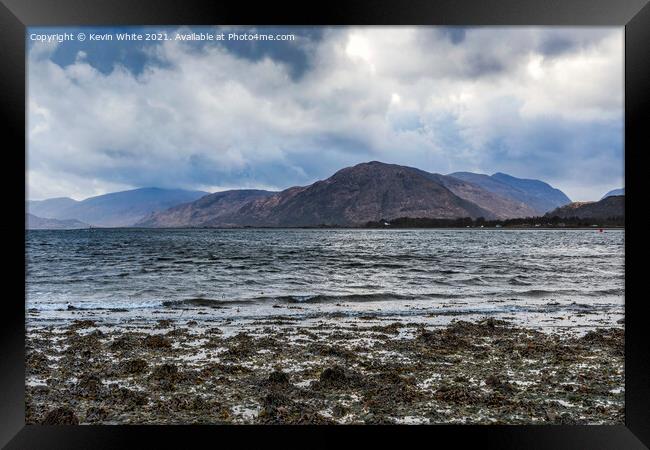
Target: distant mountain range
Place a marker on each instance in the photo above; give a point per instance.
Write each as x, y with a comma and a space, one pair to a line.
367, 192
537, 195
352, 196
118, 209
614, 192
609, 207
33, 222
206, 211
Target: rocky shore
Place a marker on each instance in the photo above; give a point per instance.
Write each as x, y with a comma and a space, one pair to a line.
282, 371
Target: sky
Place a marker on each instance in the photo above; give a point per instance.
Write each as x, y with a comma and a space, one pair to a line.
104, 116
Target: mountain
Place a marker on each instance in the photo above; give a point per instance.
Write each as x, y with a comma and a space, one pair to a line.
33, 222
614, 192
117, 209
501, 206
609, 207
359, 194
352, 196
50, 207
537, 195
206, 211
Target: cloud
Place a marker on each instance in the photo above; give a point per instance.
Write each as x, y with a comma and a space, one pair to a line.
536, 102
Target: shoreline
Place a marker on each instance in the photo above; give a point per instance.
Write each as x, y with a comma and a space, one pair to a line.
333, 228
281, 369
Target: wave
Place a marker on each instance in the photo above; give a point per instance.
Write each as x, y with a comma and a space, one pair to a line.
560, 292
202, 302
90, 306
517, 281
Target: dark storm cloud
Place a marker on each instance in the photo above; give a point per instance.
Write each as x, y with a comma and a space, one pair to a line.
455, 34
293, 53
103, 57
481, 65
557, 42
135, 55
556, 45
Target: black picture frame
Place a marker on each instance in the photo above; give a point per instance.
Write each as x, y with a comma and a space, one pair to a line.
16, 15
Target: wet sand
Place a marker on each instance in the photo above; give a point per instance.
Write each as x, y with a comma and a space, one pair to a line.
281, 370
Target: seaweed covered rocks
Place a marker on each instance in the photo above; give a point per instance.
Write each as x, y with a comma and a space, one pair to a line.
282, 371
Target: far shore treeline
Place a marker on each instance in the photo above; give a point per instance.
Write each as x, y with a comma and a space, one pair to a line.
528, 222
467, 222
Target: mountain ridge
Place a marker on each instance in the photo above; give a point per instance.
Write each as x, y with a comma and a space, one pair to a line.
606, 208
351, 196
620, 191
114, 209
33, 222
355, 195
538, 195
227, 201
